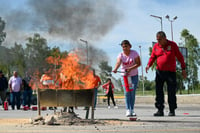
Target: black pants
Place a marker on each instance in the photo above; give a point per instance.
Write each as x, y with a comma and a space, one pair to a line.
170, 79
110, 95
3, 96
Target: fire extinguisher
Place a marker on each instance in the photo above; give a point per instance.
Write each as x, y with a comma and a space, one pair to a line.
6, 105
127, 83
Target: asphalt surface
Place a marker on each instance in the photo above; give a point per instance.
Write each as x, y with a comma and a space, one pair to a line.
187, 120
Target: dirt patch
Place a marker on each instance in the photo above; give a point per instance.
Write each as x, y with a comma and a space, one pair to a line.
82, 122
64, 119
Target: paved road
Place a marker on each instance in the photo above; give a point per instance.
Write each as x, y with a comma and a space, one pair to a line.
187, 120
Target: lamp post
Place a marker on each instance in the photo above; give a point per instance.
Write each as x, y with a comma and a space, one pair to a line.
167, 17
87, 108
86, 43
160, 20
142, 71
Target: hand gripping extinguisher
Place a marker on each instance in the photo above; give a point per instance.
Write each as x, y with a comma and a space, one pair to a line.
6, 104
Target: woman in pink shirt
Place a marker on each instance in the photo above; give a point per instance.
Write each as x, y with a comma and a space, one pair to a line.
129, 61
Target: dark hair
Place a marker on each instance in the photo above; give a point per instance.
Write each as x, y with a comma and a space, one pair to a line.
126, 42
108, 79
161, 33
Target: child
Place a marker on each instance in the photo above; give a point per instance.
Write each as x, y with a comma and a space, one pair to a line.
109, 92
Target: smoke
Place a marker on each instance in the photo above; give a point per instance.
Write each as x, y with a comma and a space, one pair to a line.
64, 19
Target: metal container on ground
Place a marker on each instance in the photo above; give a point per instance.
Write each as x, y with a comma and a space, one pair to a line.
66, 98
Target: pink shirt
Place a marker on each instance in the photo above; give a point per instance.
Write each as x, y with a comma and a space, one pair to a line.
128, 61
106, 86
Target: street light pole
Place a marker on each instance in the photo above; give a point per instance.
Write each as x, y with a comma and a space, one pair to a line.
142, 71
87, 108
86, 43
160, 20
167, 17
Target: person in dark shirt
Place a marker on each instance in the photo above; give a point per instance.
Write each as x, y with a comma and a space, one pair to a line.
3, 87
27, 94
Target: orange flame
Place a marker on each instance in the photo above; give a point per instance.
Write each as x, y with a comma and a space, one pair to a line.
71, 75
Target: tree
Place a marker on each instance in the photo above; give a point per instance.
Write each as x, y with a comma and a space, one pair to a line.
105, 70
105, 67
193, 61
153, 67
36, 52
2, 27
5, 60
18, 59
149, 85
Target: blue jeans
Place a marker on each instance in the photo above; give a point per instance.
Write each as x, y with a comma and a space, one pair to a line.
15, 98
27, 95
130, 96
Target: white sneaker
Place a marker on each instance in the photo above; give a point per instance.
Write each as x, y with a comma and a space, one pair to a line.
108, 107
128, 113
115, 107
133, 114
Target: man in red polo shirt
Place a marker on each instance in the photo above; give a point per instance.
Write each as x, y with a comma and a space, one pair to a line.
165, 53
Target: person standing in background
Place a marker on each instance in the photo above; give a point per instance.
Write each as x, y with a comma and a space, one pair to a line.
3, 87
27, 94
165, 53
15, 84
97, 83
129, 61
109, 92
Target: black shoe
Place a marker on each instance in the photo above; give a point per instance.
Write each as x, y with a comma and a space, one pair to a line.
171, 113
86, 108
159, 113
50, 108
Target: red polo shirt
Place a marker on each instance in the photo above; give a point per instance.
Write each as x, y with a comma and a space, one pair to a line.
166, 57
97, 81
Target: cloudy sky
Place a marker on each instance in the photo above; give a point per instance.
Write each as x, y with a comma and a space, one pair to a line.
103, 23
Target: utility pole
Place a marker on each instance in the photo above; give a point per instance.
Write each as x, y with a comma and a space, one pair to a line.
86, 43
142, 71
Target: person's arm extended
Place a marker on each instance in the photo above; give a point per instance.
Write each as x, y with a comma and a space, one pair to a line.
151, 60
117, 65
104, 86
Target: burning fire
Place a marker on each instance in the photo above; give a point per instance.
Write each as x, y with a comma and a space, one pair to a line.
71, 75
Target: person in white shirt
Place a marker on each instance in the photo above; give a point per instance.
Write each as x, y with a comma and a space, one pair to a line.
15, 84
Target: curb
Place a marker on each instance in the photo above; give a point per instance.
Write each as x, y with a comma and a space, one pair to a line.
181, 99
